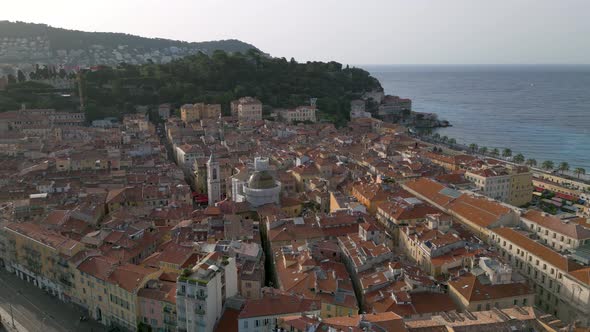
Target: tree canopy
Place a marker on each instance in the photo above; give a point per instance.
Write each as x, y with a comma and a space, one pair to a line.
223, 77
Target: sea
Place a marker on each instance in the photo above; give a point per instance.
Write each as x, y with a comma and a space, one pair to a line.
541, 111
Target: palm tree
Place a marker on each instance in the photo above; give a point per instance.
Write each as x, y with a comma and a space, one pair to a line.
506, 153
531, 162
452, 141
436, 136
519, 158
495, 152
547, 165
473, 147
483, 150
579, 171
564, 166
444, 139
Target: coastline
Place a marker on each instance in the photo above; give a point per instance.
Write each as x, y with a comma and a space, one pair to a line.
536, 110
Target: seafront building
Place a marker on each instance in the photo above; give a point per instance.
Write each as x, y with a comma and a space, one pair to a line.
511, 184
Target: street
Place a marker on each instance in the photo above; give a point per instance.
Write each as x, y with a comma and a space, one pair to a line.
37, 311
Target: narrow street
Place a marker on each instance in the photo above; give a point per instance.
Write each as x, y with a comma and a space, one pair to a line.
37, 311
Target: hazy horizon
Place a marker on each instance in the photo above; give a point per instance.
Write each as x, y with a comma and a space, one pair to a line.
380, 32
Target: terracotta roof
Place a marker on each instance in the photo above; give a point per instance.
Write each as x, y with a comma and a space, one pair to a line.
481, 211
228, 321
537, 249
472, 289
278, 304
429, 189
582, 274
570, 229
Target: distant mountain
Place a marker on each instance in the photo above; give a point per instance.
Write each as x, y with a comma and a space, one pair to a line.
23, 44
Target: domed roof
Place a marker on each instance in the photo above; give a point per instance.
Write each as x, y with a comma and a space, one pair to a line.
261, 180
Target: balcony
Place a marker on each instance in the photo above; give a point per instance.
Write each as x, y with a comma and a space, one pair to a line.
201, 296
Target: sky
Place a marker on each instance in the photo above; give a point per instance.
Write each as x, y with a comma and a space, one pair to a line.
351, 32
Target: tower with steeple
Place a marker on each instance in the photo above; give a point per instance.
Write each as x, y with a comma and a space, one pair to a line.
213, 180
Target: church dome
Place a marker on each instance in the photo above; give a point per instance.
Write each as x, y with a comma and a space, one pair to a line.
261, 180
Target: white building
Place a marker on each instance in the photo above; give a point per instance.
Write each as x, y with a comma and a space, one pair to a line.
201, 292
260, 188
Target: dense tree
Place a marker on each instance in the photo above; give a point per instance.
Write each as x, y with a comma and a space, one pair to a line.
518, 158
506, 153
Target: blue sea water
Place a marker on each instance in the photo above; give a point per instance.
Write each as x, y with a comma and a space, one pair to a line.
541, 111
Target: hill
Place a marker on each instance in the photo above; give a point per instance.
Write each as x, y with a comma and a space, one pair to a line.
216, 78
27, 43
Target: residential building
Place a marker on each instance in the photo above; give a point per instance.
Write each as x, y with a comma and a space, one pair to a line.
556, 233
510, 184
299, 114
516, 318
247, 109
199, 111
562, 286
434, 250
479, 214
263, 315
487, 291
108, 290
40, 256
157, 304
201, 292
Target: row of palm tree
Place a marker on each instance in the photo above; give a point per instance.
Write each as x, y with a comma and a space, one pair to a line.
519, 158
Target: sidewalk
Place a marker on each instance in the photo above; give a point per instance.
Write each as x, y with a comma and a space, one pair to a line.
7, 322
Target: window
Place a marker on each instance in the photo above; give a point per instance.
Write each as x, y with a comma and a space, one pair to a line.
245, 324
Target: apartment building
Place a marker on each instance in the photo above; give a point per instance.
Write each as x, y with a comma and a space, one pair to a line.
40, 256
263, 315
479, 214
199, 111
434, 250
108, 290
562, 287
556, 233
201, 292
298, 114
493, 287
247, 109
510, 184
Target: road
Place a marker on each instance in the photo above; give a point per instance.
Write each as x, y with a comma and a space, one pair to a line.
37, 311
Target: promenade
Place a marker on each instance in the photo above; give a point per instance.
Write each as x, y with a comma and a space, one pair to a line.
36, 311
